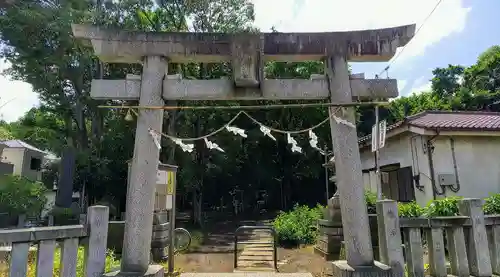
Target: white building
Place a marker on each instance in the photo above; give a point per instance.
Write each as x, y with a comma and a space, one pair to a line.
20, 158
437, 154
26, 159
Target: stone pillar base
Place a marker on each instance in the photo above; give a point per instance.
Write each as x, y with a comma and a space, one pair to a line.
153, 271
342, 269
342, 254
331, 235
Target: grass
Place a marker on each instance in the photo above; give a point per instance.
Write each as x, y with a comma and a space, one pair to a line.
111, 263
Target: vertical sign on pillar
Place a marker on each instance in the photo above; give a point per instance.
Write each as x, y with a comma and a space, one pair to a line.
170, 205
161, 189
170, 190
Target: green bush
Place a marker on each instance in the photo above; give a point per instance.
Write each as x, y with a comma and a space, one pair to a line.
492, 204
411, 209
19, 195
371, 201
297, 226
442, 207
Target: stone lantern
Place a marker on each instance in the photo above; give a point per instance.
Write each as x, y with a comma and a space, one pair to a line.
331, 236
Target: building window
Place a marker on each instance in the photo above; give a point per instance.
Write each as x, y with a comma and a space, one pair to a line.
398, 185
36, 164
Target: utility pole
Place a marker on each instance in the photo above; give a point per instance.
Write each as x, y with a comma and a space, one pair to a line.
377, 154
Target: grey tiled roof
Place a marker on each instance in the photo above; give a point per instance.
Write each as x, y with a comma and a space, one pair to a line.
16, 143
457, 120
450, 121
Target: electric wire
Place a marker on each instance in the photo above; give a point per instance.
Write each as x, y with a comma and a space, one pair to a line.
416, 33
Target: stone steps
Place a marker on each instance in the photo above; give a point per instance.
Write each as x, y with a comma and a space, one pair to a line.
256, 242
255, 258
257, 253
253, 269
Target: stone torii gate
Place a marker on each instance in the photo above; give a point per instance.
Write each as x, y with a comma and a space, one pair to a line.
246, 53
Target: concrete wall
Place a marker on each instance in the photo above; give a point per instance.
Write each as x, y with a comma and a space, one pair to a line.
20, 158
478, 164
15, 157
477, 161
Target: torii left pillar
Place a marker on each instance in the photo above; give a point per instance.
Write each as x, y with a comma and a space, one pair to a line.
141, 189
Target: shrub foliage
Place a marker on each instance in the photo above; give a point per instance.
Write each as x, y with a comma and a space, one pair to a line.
297, 226
19, 195
492, 204
411, 209
442, 207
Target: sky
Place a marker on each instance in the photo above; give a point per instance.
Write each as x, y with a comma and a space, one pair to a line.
456, 33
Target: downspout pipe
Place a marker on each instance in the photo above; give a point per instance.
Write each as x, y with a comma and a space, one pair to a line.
455, 167
430, 150
415, 169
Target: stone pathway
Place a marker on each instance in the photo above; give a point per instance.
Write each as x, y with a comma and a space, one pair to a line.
257, 253
255, 247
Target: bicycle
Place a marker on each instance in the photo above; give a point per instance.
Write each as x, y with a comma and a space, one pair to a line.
182, 241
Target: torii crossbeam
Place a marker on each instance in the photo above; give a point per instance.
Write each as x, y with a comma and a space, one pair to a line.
247, 53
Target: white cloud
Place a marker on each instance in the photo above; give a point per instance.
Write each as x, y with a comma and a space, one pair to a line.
341, 15
402, 85
421, 84
422, 88
16, 97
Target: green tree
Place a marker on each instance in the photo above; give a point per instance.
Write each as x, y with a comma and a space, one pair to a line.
19, 195
485, 74
39, 45
453, 88
446, 81
5, 134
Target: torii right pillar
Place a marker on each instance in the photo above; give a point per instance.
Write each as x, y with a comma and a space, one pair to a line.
350, 187
356, 228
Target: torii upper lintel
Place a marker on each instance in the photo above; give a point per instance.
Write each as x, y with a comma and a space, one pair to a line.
119, 46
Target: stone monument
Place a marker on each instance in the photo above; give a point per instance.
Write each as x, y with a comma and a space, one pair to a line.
246, 52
